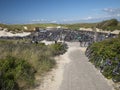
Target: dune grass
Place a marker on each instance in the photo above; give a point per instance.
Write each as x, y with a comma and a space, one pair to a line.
23, 61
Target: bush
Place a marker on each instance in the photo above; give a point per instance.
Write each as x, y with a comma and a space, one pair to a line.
109, 25
106, 56
14, 70
58, 48
20, 62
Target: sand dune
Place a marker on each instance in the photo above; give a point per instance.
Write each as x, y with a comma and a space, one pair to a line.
9, 34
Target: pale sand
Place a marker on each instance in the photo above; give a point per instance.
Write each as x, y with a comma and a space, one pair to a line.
9, 34
53, 79
47, 42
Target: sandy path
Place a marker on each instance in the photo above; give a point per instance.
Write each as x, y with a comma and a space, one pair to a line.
74, 72
80, 74
53, 80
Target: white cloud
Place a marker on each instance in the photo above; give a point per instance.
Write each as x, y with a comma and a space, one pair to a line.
100, 14
65, 20
107, 13
40, 20
118, 15
53, 21
35, 20
44, 20
113, 12
88, 18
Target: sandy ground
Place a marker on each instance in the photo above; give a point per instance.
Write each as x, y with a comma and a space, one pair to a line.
56, 79
47, 42
53, 79
69, 76
80, 74
9, 34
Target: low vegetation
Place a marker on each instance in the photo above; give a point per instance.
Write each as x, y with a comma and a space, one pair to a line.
30, 27
19, 28
109, 25
80, 25
58, 48
20, 62
105, 56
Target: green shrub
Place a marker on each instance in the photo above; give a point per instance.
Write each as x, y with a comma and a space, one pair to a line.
14, 70
58, 48
102, 52
20, 62
109, 25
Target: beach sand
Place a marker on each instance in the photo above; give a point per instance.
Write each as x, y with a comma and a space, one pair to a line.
9, 34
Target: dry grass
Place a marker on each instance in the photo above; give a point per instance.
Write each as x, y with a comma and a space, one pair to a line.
37, 56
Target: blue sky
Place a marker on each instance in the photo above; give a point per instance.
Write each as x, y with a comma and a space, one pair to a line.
58, 11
